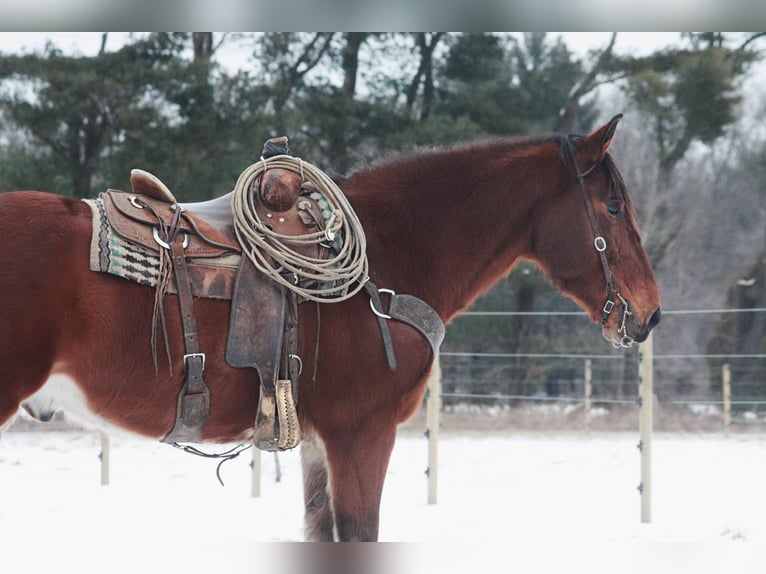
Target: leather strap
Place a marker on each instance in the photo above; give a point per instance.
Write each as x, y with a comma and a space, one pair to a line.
612, 293
193, 402
291, 362
388, 345
410, 310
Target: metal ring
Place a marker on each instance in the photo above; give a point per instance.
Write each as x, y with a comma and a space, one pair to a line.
300, 362
165, 244
134, 202
600, 244
380, 313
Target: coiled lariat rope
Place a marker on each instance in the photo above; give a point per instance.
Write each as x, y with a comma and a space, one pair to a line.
324, 280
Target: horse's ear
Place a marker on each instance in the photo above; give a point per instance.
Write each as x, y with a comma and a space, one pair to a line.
594, 147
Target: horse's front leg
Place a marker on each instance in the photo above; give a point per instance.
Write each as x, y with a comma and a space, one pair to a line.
318, 518
358, 462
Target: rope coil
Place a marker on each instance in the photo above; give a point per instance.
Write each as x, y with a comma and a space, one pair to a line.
324, 280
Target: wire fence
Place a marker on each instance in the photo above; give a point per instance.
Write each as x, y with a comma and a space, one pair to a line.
694, 375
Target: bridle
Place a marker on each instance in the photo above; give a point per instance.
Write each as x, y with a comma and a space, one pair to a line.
612, 293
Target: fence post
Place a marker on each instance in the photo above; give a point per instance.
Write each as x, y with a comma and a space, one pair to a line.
646, 402
433, 408
255, 465
104, 456
726, 376
588, 391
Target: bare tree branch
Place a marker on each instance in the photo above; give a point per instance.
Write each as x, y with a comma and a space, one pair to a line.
585, 86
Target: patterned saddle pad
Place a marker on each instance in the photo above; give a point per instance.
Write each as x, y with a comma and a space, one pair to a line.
110, 252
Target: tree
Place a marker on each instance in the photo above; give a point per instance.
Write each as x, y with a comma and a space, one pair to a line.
690, 94
426, 43
572, 111
508, 87
287, 61
82, 106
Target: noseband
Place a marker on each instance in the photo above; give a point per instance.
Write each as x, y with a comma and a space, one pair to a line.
612, 293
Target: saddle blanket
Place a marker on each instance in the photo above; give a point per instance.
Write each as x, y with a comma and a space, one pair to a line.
111, 253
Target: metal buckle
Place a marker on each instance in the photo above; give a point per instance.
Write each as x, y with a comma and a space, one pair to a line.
380, 313
295, 357
194, 356
600, 244
608, 306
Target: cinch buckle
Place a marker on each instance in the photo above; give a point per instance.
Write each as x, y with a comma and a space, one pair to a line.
194, 356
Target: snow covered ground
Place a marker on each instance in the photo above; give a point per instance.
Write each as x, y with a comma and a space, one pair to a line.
522, 502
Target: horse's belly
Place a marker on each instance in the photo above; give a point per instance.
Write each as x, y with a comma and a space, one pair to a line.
61, 393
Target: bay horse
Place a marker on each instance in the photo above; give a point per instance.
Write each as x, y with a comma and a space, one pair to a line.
442, 225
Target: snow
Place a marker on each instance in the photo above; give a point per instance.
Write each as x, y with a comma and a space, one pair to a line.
521, 502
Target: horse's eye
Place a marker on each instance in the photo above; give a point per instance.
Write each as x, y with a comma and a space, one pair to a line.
614, 208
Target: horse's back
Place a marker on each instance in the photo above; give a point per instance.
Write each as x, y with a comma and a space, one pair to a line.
44, 245
46, 219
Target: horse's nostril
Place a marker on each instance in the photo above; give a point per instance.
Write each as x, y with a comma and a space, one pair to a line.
654, 319
46, 416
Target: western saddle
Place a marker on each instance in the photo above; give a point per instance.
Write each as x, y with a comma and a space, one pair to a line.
188, 238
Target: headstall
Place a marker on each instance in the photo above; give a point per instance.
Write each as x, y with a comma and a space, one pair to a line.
612, 293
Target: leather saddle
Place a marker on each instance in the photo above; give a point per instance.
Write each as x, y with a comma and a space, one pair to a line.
262, 330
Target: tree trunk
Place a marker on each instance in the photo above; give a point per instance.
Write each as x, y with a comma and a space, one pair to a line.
350, 64
203, 45
426, 45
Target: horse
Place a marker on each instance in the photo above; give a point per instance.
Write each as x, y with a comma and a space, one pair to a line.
441, 224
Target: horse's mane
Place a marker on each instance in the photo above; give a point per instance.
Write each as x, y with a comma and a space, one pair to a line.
422, 153
516, 147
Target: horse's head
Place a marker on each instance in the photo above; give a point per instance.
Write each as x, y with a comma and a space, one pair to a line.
587, 241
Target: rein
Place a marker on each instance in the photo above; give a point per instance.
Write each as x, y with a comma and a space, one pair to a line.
599, 242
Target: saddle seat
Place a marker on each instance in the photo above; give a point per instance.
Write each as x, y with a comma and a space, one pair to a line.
282, 200
215, 212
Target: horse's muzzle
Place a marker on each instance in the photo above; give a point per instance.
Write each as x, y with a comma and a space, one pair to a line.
639, 333
634, 332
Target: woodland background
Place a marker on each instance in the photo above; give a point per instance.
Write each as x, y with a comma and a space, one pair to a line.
692, 149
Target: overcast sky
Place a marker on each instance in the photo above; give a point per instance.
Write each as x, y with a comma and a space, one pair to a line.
88, 43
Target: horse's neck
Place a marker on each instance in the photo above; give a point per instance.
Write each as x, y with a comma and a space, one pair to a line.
449, 235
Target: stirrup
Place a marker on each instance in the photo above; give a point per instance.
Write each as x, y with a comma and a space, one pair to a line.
266, 429
276, 424
289, 428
